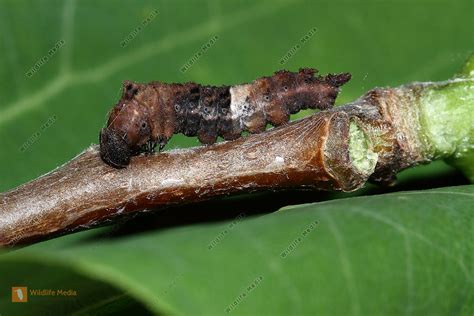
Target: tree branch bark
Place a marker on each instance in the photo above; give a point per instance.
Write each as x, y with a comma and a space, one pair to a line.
338, 149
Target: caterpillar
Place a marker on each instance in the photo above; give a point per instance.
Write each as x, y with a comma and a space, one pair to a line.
148, 114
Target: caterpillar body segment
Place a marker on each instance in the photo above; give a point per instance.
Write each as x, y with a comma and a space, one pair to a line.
149, 114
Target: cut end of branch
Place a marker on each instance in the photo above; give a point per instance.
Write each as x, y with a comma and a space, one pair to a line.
361, 150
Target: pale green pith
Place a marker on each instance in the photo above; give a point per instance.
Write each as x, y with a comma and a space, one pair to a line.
361, 151
447, 118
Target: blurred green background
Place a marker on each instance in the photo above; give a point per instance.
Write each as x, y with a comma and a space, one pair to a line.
407, 253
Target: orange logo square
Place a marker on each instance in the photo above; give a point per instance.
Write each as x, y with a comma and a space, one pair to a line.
19, 294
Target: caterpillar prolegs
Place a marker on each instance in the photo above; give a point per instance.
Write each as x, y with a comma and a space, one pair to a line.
148, 115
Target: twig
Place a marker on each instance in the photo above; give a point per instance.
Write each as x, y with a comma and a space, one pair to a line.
340, 149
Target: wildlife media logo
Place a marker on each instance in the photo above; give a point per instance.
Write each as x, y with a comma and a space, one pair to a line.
19, 294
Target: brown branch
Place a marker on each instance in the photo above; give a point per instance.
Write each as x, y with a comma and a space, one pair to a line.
310, 153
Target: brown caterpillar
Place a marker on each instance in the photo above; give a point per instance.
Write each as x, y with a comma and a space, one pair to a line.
149, 114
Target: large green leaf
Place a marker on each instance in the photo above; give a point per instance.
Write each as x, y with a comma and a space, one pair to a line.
406, 253
403, 253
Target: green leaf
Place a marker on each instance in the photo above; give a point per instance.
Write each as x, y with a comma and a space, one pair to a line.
403, 253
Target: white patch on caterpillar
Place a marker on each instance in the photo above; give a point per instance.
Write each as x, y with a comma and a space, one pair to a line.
239, 107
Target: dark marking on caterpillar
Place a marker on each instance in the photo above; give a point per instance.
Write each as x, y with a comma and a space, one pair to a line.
148, 115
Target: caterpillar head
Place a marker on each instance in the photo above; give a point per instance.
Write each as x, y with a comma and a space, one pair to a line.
128, 130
